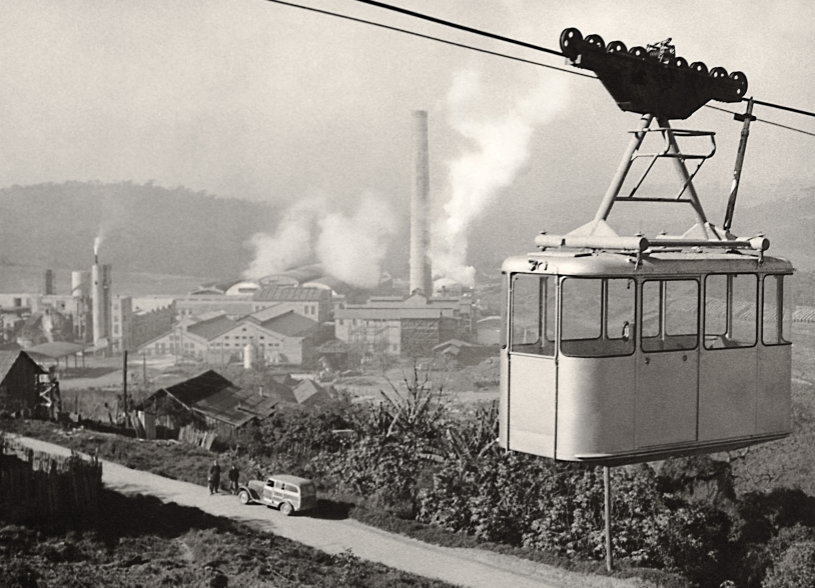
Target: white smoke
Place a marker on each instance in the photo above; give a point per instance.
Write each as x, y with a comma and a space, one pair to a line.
97, 242
290, 245
501, 148
350, 247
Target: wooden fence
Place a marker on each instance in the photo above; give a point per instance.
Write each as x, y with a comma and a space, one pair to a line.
43, 486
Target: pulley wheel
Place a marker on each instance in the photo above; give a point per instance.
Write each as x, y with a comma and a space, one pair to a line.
638, 52
679, 62
718, 73
597, 41
616, 47
741, 80
569, 39
699, 67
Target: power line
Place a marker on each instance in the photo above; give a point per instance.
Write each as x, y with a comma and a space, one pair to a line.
787, 108
529, 45
768, 122
504, 55
447, 23
432, 38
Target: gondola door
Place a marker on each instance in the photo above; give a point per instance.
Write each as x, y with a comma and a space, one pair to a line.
667, 363
528, 422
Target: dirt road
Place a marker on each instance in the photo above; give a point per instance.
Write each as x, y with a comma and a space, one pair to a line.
467, 567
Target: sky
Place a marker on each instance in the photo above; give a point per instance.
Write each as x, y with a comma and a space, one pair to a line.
256, 100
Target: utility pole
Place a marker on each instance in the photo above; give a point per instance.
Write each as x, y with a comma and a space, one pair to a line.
607, 487
124, 385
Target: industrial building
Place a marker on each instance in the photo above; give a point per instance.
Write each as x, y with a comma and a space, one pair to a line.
395, 326
282, 337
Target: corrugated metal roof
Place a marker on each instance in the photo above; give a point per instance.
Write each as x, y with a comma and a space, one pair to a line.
290, 324
290, 294
56, 349
212, 328
269, 312
191, 391
366, 313
310, 392
235, 406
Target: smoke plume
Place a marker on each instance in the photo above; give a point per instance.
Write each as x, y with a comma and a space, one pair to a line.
350, 247
290, 245
501, 147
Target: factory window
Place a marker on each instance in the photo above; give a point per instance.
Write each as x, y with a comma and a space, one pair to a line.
115, 329
262, 337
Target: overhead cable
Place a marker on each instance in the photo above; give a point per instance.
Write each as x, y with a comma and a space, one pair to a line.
761, 120
447, 23
423, 36
504, 55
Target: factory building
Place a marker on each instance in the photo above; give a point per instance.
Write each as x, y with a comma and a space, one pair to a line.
279, 338
394, 326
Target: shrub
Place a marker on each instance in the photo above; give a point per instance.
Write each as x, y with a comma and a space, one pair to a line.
795, 568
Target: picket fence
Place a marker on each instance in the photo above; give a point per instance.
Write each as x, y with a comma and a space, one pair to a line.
50, 487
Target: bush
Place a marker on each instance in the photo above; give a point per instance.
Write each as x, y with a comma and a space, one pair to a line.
795, 568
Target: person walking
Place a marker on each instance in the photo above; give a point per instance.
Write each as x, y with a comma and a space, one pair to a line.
214, 477
234, 476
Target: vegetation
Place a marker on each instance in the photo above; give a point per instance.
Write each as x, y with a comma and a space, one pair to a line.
412, 464
141, 542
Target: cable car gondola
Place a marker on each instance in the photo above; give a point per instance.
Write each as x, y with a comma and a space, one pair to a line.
623, 349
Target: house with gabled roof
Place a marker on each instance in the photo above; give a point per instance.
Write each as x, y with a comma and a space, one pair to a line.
207, 401
19, 381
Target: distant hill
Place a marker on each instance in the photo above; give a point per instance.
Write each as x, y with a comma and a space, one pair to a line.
786, 216
179, 232
145, 228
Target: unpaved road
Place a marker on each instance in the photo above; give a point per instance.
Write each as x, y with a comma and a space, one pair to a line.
466, 567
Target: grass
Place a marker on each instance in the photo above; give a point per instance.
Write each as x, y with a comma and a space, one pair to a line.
190, 464
142, 542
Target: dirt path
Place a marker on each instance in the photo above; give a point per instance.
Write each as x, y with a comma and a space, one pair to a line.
467, 567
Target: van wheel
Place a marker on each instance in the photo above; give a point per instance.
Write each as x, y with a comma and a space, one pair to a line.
286, 508
243, 496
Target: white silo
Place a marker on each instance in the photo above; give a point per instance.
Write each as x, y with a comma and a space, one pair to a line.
249, 356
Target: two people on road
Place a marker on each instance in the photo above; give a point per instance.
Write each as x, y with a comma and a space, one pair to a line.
214, 479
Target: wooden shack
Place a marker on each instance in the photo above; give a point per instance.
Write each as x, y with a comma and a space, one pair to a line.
19, 381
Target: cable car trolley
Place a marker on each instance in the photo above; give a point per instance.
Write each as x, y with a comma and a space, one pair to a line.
622, 349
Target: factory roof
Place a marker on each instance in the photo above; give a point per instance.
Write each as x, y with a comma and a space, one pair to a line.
269, 312
365, 312
290, 324
57, 349
296, 275
331, 283
290, 294
212, 328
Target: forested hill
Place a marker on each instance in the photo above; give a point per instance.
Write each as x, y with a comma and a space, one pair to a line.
147, 228
144, 228
789, 223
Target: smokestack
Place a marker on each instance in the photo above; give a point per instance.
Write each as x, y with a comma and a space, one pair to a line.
100, 297
49, 282
420, 275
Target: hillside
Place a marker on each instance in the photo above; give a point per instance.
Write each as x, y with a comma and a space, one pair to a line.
144, 228
178, 232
